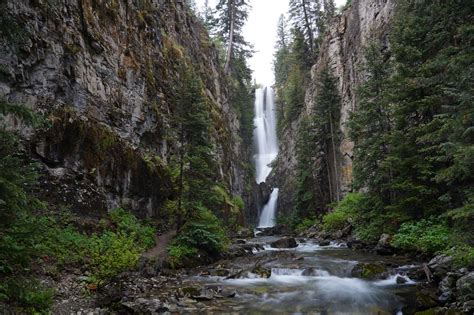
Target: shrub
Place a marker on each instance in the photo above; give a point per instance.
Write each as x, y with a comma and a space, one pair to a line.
33, 297
463, 255
179, 253
110, 254
426, 235
144, 235
204, 234
305, 224
345, 212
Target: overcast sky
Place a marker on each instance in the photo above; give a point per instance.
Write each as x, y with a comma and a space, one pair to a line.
260, 31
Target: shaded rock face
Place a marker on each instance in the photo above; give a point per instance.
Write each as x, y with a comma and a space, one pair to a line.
286, 242
343, 50
108, 75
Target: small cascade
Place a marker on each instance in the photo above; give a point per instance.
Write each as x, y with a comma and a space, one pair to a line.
266, 148
267, 218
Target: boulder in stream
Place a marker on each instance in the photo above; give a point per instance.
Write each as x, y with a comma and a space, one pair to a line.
286, 242
441, 265
368, 271
465, 287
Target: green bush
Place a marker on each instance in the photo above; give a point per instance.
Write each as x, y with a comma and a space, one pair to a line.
345, 212
463, 255
305, 224
127, 223
425, 235
204, 233
112, 253
179, 253
28, 294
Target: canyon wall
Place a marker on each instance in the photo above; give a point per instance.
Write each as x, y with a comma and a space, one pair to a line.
342, 49
106, 75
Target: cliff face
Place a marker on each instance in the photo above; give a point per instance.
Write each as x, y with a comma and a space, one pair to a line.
343, 50
106, 74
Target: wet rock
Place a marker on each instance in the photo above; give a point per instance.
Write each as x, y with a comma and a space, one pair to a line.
426, 297
299, 258
188, 291
262, 272
356, 244
383, 246
220, 272
286, 242
401, 280
439, 311
441, 265
468, 307
144, 306
465, 287
240, 241
369, 271
245, 233
324, 243
447, 286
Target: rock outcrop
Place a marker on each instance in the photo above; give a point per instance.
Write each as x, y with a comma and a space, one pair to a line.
342, 49
106, 74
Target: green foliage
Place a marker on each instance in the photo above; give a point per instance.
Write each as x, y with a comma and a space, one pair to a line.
142, 234
111, 253
29, 295
427, 235
463, 255
180, 254
204, 233
305, 224
344, 213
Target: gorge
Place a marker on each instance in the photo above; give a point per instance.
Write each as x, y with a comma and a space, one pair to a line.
144, 169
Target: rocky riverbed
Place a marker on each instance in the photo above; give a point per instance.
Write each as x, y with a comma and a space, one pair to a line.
280, 275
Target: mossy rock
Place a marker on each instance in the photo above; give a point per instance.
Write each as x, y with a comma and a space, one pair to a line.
368, 271
262, 272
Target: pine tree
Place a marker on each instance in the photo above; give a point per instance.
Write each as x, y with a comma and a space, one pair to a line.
232, 15
370, 125
327, 118
196, 159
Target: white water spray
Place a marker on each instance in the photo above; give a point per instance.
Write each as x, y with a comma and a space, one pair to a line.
265, 132
266, 148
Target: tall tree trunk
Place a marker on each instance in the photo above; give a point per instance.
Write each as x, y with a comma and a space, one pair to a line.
334, 155
231, 36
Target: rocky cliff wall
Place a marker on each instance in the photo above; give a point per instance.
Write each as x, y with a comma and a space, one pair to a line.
343, 50
105, 73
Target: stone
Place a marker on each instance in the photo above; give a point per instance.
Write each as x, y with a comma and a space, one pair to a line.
441, 265
465, 287
286, 242
400, 280
262, 272
446, 287
383, 246
368, 271
324, 243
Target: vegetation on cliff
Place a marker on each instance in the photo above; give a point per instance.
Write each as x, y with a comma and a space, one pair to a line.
413, 134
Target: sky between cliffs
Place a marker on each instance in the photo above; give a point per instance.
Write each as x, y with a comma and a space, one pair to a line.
260, 31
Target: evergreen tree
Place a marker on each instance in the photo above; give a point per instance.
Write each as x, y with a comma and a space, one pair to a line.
370, 125
196, 160
327, 118
433, 96
231, 17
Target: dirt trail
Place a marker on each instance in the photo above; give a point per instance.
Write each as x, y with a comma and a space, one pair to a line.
161, 241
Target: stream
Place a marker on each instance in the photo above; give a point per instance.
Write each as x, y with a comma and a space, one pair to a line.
308, 279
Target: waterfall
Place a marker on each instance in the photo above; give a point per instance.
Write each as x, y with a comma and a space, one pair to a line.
266, 148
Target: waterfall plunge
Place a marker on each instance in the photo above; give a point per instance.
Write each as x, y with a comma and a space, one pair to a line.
266, 148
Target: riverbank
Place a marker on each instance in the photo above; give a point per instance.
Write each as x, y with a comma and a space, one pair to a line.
276, 274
